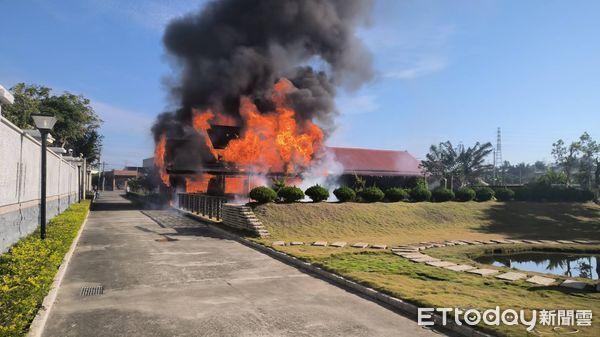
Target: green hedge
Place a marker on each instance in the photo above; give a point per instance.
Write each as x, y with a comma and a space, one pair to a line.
396, 194
441, 194
344, 194
290, 194
28, 269
263, 194
317, 193
371, 194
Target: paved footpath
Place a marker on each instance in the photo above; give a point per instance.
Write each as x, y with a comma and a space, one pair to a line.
185, 280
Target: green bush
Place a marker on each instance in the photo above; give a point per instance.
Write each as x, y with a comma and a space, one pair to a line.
523, 193
442, 194
317, 193
465, 194
505, 194
371, 194
543, 192
587, 195
27, 270
484, 194
413, 182
263, 194
418, 194
290, 194
395, 194
344, 194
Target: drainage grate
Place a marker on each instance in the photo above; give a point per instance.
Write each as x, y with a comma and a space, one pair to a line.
91, 291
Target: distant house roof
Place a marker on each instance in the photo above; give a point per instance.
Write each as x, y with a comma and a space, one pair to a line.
377, 162
125, 173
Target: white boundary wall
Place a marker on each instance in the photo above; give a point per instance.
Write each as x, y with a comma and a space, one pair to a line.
20, 164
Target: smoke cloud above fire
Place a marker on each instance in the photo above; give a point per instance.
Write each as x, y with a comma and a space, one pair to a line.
231, 55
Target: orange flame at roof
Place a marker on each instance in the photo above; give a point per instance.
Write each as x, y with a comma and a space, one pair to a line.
274, 142
269, 142
197, 184
159, 159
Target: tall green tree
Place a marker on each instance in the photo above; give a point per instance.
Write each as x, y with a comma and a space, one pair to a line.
566, 157
590, 151
77, 125
464, 165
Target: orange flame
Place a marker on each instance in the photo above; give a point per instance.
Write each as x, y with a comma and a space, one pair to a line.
273, 142
200, 123
197, 184
270, 142
159, 159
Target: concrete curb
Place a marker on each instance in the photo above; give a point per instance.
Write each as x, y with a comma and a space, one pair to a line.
39, 322
376, 296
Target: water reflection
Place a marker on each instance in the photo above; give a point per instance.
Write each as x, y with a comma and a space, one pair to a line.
564, 264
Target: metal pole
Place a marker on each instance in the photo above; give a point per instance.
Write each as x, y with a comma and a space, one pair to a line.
79, 183
44, 134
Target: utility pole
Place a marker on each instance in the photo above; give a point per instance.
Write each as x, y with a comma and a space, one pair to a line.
498, 156
102, 175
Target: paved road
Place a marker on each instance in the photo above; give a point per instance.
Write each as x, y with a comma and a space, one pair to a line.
184, 280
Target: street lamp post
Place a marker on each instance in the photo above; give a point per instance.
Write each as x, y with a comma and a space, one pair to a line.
44, 124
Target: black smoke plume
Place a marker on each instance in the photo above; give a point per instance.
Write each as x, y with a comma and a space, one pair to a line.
242, 47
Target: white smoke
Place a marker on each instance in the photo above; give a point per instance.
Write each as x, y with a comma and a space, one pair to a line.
325, 171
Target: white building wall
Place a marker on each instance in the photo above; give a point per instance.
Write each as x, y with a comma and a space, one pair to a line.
20, 161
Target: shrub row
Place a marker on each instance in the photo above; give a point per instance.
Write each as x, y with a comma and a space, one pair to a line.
420, 193
541, 192
29, 267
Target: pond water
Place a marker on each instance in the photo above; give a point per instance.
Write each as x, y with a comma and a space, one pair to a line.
564, 264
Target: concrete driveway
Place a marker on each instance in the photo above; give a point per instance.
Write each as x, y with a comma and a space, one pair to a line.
181, 279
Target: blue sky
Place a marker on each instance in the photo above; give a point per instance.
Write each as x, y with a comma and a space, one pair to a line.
446, 70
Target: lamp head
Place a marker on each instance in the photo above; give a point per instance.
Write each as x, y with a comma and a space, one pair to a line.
44, 123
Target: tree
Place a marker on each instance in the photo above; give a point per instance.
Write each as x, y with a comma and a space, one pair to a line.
466, 165
471, 162
566, 157
589, 150
441, 162
77, 124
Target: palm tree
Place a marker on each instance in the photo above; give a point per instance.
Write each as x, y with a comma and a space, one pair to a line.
445, 161
472, 162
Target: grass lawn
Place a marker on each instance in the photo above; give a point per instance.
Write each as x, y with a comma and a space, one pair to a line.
396, 223
28, 269
437, 287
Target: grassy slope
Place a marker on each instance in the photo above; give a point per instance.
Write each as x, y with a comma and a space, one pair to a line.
396, 223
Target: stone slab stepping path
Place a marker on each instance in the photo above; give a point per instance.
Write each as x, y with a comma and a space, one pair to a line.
549, 242
441, 264
483, 271
411, 255
566, 242
424, 259
534, 242
460, 267
413, 252
574, 284
472, 242
404, 250
511, 276
540, 280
